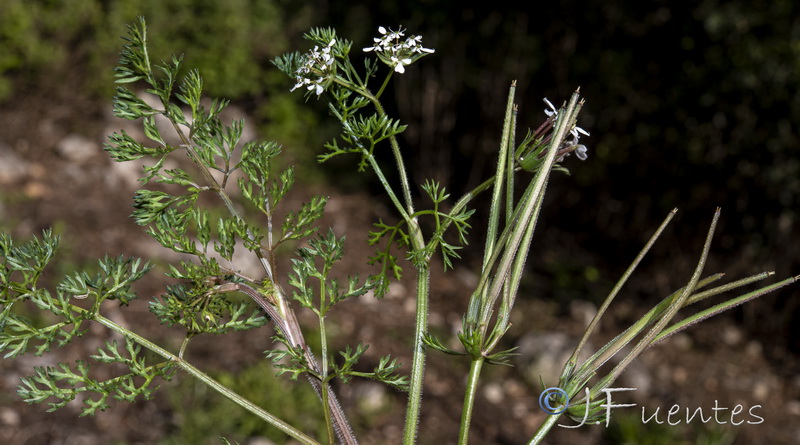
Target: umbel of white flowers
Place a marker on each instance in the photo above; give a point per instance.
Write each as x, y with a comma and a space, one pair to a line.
397, 53
316, 61
319, 63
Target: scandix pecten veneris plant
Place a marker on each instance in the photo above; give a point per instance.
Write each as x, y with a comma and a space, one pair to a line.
199, 299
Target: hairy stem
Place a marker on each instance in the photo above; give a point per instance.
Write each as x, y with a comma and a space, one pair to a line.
291, 326
570, 364
659, 326
423, 275
324, 358
544, 428
398, 156
418, 361
469, 399
205, 378
291, 329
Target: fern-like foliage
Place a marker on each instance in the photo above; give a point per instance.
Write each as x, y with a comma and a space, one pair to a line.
64, 382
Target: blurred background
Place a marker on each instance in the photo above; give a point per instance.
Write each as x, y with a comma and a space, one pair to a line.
690, 104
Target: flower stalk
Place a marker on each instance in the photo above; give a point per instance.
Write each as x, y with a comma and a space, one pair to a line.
652, 328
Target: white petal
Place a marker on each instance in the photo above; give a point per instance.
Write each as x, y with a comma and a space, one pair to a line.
400, 68
581, 152
382, 30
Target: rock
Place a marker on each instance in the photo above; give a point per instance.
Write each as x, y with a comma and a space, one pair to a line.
732, 336
12, 167
494, 393
371, 397
584, 311
77, 148
544, 355
123, 175
9, 417
259, 441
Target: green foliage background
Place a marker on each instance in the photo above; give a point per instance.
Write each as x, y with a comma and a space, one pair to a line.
230, 42
47, 47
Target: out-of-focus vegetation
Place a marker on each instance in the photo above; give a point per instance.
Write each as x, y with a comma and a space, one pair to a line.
43, 38
59, 48
203, 416
629, 430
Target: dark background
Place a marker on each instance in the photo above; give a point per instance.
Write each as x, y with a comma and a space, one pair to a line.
690, 104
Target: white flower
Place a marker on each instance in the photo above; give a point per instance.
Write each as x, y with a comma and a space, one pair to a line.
578, 130
582, 152
317, 61
317, 86
551, 110
395, 52
570, 143
400, 64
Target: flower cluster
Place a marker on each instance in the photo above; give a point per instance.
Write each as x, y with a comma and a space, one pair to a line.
395, 52
570, 144
318, 62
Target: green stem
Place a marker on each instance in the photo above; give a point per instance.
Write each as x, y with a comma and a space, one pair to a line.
326, 408
398, 156
401, 168
469, 399
528, 214
544, 428
205, 378
324, 380
184, 345
647, 340
696, 318
293, 332
418, 361
423, 277
423, 271
385, 83
388, 188
501, 171
570, 364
